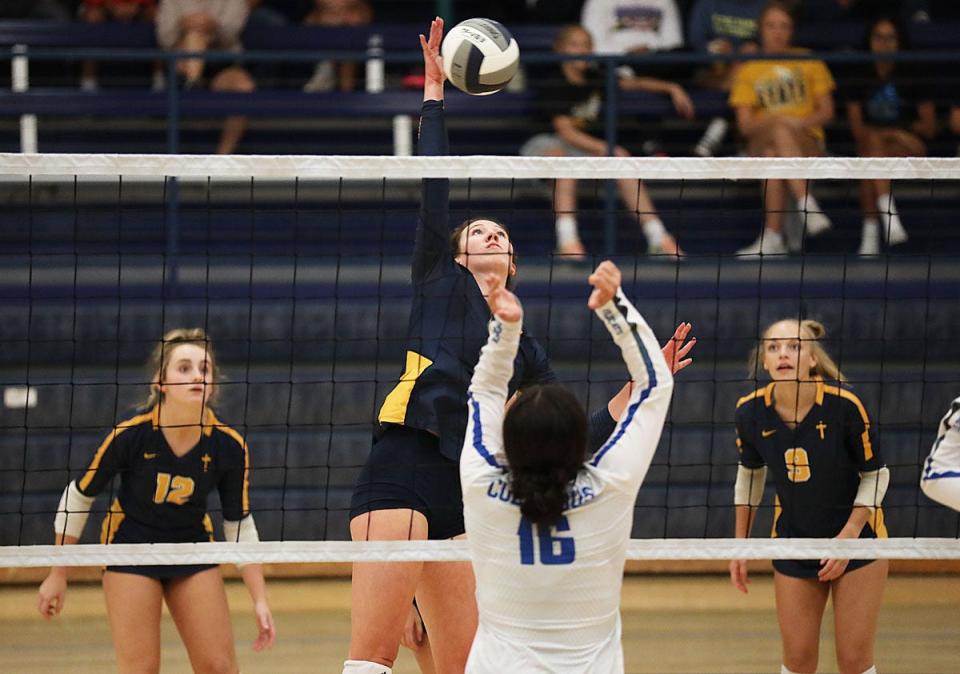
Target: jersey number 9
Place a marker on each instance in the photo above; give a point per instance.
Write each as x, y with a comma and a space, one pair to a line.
553, 549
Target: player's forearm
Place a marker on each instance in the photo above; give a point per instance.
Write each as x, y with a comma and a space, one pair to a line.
744, 521
254, 581
638, 345
858, 519
495, 366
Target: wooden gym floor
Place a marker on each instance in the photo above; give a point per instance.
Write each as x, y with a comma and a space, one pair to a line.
688, 623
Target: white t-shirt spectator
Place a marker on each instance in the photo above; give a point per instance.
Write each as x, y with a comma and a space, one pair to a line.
620, 26
230, 16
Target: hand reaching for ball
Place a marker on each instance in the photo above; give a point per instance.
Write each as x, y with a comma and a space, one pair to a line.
432, 61
503, 303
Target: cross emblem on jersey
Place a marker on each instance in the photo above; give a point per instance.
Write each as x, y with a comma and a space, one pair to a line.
821, 427
206, 461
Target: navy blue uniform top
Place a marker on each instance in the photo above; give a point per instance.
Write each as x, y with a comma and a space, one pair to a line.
162, 494
448, 319
815, 466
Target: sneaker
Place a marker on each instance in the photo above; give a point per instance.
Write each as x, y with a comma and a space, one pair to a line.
893, 230
768, 243
817, 223
667, 247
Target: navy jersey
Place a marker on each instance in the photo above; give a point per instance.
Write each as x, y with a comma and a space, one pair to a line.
448, 319
816, 466
163, 497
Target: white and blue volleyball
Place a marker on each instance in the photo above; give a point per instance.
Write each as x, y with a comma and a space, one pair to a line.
480, 56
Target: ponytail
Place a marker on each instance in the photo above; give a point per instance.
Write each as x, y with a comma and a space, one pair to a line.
544, 438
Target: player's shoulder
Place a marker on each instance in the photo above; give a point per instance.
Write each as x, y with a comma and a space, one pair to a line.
223, 433
842, 395
754, 400
138, 419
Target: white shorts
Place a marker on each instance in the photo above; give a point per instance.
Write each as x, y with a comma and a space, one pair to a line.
493, 654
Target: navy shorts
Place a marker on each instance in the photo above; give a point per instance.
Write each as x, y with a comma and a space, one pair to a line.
809, 568
131, 531
406, 470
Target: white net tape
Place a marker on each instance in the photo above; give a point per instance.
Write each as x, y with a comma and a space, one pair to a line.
449, 551
376, 167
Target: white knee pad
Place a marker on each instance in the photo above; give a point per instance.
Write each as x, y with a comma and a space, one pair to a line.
872, 670
365, 667
784, 670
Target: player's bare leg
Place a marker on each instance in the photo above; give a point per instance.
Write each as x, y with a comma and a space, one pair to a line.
133, 606
198, 606
381, 592
857, 597
800, 605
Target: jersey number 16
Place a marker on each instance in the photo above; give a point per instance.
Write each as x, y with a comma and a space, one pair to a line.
553, 549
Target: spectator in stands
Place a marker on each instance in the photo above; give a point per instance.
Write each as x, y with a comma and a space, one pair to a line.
34, 9
196, 25
120, 11
781, 106
891, 113
721, 27
633, 26
572, 96
342, 74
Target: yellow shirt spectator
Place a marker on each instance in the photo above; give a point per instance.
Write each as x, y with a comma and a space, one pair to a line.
782, 87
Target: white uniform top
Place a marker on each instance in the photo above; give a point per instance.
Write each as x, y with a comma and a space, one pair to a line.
549, 600
941, 472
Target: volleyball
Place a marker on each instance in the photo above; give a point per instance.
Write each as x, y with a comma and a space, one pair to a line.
480, 56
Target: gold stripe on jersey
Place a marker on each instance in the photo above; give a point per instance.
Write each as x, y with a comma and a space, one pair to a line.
208, 527
215, 423
865, 436
394, 409
777, 511
766, 392
878, 522
111, 522
91, 471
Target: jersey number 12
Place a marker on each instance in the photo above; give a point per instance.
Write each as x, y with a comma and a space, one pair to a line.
553, 549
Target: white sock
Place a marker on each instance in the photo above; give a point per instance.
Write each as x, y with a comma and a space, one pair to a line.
872, 670
365, 667
654, 231
566, 230
893, 231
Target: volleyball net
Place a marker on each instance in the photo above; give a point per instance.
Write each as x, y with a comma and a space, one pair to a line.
299, 269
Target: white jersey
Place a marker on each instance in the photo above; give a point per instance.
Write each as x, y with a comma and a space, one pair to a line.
549, 600
941, 472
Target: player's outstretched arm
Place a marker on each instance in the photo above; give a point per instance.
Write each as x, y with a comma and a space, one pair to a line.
483, 442
628, 453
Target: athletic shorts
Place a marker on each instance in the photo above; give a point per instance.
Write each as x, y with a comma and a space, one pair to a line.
406, 470
131, 531
809, 568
